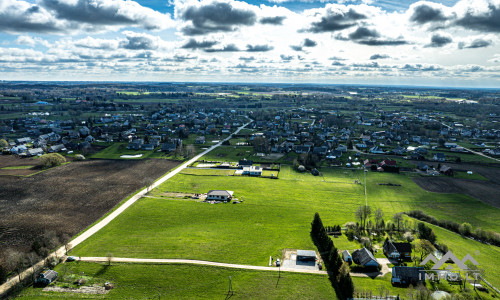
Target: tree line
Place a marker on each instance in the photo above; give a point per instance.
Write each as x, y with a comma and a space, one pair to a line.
338, 270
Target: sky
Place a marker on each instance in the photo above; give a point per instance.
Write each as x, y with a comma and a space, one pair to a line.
453, 43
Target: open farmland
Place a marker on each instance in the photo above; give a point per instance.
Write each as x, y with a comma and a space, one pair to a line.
68, 198
280, 212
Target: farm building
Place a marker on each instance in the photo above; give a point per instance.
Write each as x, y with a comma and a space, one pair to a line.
220, 195
306, 255
407, 275
364, 257
347, 257
397, 250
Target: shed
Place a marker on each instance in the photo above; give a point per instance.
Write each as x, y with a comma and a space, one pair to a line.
306, 255
347, 256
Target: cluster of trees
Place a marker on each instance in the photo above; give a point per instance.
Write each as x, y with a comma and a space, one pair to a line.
188, 151
306, 161
464, 229
52, 160
334, 228
338, 270
17, 261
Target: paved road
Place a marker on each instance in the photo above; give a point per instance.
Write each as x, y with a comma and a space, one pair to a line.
92, 230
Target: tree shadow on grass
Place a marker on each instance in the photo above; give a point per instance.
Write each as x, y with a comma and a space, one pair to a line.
103, 270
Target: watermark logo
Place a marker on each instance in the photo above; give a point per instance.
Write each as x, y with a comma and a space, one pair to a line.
449, 256
450, 272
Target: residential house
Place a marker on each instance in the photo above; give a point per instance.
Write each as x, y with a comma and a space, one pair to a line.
219, 195
397, 250
365, 258
22, 141
135, 144
35, 152
377, 150
439, 157
252, 171
168, 147
446, 170
57, 148
407, 275
200, 140
147, 147
18, 149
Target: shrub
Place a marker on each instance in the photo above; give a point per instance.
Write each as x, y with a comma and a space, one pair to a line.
52, 160
79, 157
3, 144
408, 236
465, 229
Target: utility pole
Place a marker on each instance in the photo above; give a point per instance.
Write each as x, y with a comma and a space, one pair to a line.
366, 196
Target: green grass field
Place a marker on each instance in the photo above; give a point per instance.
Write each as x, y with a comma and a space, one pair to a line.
118, 149
275, 215
143, 281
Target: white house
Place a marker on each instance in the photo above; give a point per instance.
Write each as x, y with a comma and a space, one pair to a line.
252, 171
220, 195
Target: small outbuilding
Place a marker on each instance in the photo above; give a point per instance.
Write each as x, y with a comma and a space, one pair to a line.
347, 256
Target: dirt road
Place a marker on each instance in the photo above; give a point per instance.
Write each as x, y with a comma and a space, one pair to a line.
4, 288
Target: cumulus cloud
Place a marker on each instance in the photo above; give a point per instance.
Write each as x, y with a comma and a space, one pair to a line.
477, 43
424, 12
206, 17
259, 48
438, 41
278, 20
336, 18
226, 48
93, 43
67, 16
306, 43
194, 44
138, 41
379, 56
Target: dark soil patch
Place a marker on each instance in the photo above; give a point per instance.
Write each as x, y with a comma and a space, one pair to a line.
68, 198
485, 191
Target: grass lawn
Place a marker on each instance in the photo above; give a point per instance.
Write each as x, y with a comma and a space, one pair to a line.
118, 149
230, 154
475, 176
17, 168
144, 281
276, 214
210, 172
